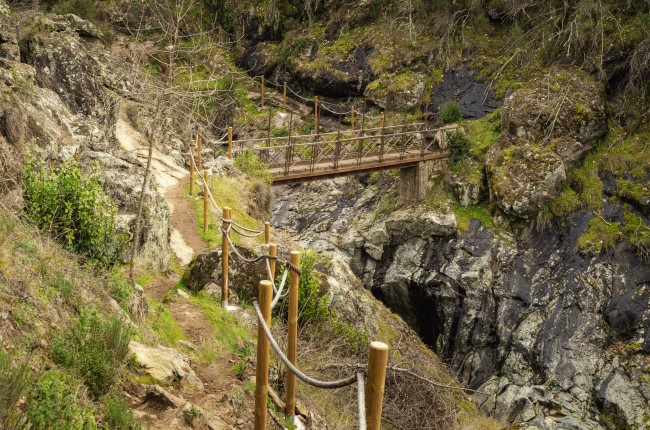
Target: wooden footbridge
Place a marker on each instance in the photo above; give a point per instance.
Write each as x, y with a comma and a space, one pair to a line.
301, 158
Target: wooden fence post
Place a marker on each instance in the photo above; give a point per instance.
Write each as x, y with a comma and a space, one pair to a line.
268, 136
199, 149
224, 257
352, 120
273, 252
377, 361
206, 185
284, 97
267, 232
230, 143
262, 91
292, 342
191, 171
262, 366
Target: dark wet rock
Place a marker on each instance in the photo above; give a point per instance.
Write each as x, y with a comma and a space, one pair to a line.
475, 98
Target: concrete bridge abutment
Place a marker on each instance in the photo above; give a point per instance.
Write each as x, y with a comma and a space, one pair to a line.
414, 181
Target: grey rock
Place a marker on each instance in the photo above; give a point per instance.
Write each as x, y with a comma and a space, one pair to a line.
164, 364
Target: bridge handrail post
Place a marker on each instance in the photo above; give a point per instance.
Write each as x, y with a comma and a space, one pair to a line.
268, 137
289, 152
262, 91
424, 141
352, 120
284, 97
383, 132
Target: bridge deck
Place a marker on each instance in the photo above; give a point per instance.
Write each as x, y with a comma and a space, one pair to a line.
304, 172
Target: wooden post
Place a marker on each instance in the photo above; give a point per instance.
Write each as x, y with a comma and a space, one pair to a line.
199, 149
191, 171
288, 154
262, 367
290, 378
352, 120
262, 91
273, 252
377, 361
268, 136
267, 232
224, 258
206, 184
230, 143
383, 131
316, 114
284, 97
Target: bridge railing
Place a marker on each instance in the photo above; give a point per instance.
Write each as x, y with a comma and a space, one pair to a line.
330, 151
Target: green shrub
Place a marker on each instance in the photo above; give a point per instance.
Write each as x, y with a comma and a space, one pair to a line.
386, 205
52, 405
118, 415
450, 112
14, 382
251, 164
86, 9
72, 205
460, 146
312, 305
93, 349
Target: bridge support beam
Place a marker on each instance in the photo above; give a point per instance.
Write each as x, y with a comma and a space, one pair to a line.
414, 182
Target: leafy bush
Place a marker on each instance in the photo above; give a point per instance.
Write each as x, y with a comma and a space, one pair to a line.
312, 305
460, 146
53, 405
450, 112
117, 414
71, 204
251, 164
13, 384
94, 349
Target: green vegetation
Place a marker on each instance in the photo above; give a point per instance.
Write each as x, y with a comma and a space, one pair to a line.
53, 405
14, 382
164, 324
600, 235
225, 326
93, 349
72, 206
449, 112
459, 144
117, 414
387, 205
249, 163
465, 215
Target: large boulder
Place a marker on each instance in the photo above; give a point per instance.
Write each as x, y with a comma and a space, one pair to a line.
546, 126
525, 177
402, 92
165, 364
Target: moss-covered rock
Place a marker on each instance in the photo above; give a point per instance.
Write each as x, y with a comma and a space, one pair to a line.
400, 92
562, 109
524, 176
546, 126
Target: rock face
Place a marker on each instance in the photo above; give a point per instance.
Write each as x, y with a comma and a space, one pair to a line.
62, 101
534, 325
475, 99
165, 364
550, 338
546, 126
401, 93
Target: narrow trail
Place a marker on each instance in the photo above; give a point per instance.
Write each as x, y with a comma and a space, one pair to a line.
186, 241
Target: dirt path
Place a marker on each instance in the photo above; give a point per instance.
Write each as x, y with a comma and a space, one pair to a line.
186, 241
